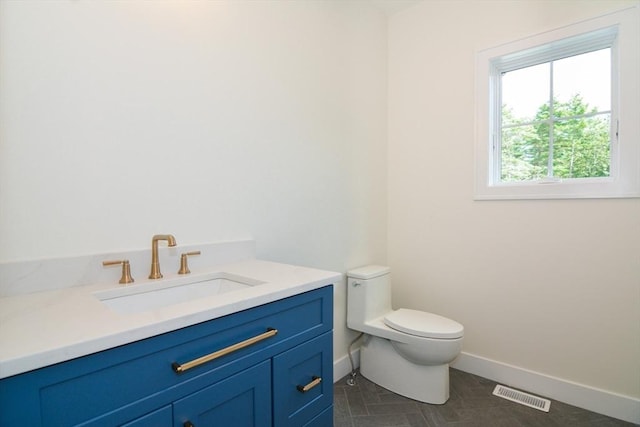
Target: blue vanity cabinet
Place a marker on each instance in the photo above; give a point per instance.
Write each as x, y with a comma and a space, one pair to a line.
140, 384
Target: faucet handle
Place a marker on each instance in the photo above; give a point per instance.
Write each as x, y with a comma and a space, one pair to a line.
184, 266
126, 270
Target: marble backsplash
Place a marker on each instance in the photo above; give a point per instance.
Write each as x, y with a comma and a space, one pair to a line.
25, 277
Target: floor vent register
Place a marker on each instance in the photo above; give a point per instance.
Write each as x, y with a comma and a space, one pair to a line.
522, 398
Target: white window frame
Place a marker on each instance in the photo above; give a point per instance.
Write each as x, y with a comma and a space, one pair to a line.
619, 30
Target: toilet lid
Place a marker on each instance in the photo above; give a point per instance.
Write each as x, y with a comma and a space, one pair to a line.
423, 324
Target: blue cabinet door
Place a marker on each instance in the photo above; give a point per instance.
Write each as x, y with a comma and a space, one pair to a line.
242, 400
303, 382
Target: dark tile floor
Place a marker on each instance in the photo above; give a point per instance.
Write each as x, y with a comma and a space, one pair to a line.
471, 405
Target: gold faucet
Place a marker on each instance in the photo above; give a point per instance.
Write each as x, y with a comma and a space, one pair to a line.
184, 266
126, 270
155, 263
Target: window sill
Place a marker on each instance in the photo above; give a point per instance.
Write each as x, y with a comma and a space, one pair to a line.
548, 189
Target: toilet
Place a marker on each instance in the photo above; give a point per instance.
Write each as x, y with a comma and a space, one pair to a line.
405, 351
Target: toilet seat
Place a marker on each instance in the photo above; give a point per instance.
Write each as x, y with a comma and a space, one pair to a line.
423, 324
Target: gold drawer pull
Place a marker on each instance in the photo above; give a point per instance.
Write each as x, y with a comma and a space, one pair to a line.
312, 384
180, 368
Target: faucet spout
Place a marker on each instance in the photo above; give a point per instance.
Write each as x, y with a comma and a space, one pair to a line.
155, 262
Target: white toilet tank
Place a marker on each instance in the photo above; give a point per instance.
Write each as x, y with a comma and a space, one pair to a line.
368, 294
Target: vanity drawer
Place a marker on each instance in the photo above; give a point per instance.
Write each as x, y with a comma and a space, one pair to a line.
303, 382
118, 385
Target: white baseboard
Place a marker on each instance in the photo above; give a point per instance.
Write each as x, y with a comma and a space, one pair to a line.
342, 366
603, 402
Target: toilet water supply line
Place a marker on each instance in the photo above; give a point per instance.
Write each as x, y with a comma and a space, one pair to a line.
352, 379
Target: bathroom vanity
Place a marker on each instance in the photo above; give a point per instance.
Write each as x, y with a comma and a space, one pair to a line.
255, 357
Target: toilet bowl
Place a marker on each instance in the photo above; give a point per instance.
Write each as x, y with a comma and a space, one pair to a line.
405, 351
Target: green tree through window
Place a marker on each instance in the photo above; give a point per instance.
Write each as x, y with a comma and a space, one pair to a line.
574, 142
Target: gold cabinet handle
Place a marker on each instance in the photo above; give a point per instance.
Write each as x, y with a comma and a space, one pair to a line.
305, 388
180, 368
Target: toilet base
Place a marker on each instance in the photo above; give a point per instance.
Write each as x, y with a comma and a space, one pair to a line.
381, 364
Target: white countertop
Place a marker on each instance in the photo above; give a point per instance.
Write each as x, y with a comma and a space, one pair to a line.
43, 328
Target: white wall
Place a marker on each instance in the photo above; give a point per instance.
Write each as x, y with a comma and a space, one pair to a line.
548, 286
212, 121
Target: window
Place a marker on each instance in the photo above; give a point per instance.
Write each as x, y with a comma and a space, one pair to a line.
555, 120
558, 113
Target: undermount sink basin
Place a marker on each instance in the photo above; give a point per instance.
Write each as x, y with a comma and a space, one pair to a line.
164, 293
